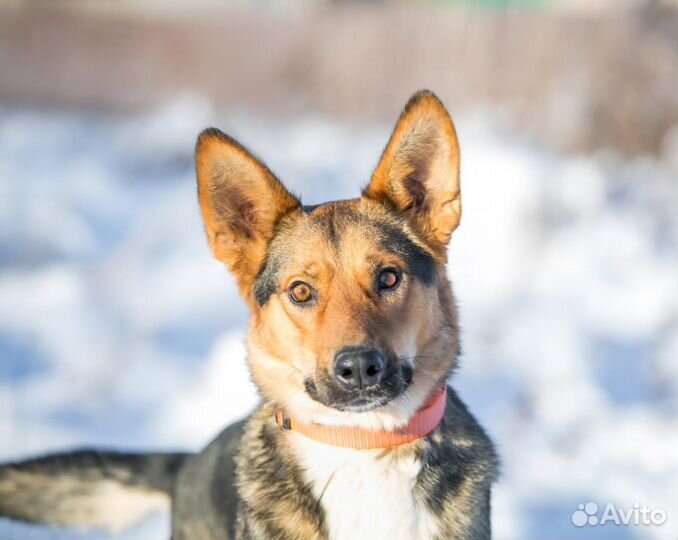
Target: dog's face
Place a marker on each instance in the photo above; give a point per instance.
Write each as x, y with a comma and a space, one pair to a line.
353, 320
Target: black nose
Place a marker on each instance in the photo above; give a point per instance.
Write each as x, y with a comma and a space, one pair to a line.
359, 368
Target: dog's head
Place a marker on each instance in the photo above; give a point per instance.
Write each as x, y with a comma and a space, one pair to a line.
353, 320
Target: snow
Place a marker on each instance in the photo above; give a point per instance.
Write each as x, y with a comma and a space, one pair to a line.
117, 329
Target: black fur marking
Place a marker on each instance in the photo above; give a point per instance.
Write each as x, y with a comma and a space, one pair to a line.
205, 504
420, 264
328, 222
464, 455
266, 282
308, 208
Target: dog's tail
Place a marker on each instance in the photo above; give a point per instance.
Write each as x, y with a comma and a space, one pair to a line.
88, 488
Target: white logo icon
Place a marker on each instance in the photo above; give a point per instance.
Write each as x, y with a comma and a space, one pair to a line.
586, 514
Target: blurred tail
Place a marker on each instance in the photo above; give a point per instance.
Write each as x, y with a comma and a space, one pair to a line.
88, 488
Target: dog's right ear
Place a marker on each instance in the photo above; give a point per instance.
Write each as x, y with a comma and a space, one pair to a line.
418, 174
241, 202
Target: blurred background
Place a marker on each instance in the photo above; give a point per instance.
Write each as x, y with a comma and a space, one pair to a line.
117, 329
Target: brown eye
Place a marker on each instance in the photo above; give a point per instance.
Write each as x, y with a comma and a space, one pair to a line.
388, 279
300, 292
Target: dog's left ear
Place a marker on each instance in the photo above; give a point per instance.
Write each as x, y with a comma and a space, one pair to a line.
418, 173
241, 202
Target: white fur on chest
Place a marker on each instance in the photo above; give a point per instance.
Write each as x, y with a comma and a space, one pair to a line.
364, 496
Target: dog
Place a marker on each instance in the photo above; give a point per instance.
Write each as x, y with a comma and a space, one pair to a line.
352, 339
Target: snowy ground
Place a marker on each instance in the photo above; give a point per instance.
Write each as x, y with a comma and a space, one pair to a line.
118, 329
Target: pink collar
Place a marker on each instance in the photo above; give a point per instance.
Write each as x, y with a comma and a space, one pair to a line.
426, 420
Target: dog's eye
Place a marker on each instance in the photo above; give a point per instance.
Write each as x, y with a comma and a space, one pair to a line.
387, 279
300, 292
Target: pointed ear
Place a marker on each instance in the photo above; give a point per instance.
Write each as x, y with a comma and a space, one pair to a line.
241, 203
418, 173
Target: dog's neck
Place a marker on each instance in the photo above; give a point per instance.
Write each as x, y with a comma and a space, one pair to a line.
423, 422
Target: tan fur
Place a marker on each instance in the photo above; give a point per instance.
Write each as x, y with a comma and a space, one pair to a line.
241, 202
287, 345
423, 148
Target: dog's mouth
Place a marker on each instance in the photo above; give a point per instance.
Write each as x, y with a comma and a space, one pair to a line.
355, 404
324, 389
